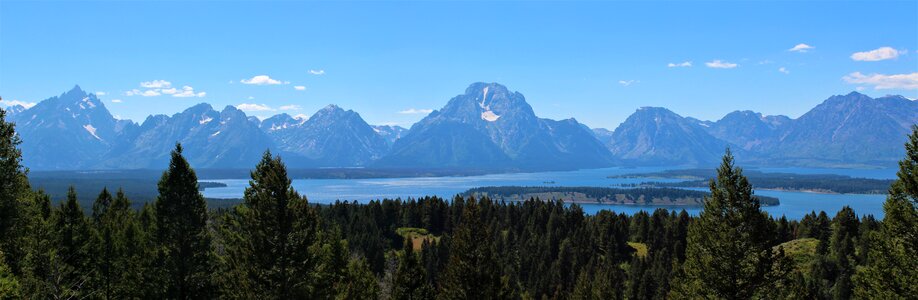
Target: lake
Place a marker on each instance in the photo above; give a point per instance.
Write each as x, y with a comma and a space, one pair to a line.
794, 205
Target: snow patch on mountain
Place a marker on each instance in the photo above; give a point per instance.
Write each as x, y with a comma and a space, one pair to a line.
205, 120
92, 130
489, 116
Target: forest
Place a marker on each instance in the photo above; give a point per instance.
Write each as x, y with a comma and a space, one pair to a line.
276, 245
603, 195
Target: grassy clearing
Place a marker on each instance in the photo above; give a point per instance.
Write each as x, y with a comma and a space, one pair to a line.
641, 249
802, 251
417, 236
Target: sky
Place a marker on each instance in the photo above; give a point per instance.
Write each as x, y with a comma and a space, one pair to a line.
393, 62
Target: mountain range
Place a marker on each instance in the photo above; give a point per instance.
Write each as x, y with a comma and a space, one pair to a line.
486, 127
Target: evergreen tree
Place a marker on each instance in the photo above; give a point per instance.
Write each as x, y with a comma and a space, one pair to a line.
845, 227
40, 248
117, 247
268, 236
9, 284
728, 253
361, 283
185, 262
471, 272
410, 280
14, 189
71, 274
892, 270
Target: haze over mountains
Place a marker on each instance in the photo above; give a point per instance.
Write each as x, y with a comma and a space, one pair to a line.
486, 127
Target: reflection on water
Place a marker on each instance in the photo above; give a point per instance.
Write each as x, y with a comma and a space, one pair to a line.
793, 204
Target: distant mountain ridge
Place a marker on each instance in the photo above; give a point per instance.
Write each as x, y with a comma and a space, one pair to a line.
486, 127
850, 130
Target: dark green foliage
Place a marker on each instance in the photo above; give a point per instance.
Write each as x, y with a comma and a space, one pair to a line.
729, 245
185, 258
120, 248
410, 278
892, 262
267, 238
9, 284
14, 189
602, 194
472, 271
70, 266
360, 284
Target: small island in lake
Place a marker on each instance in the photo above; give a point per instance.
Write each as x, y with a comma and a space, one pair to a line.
209, 184
817, 183
602, 195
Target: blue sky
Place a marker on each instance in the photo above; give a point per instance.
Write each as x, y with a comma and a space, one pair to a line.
392, 61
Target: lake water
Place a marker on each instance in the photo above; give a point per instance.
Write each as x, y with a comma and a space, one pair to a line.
794, 205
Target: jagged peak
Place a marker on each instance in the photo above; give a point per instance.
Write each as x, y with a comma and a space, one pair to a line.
203, 106
76, 89
492, 88
855, 94
280, 116
229, 109
332, 107
654, 109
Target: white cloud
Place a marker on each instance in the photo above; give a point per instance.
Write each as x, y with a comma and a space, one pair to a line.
14, 102
719, 64
801, 48
100, 93
188, 91
882, 53
680, 65
150, 93
250, 97
299, 88
116, 101
261, 80
253, 107
627, 82
290, 107
783, 70
415, 111
317, 72
156, 84
161, 87
301, 117
883, 81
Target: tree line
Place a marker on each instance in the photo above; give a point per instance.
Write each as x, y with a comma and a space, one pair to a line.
277, 245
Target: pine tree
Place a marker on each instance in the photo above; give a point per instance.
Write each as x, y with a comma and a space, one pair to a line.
184, 243
14, 188
40, 248
71, 274
118, 250
361, 283
845, 227
728, 252
268, 236
9, 284
471, 272
892, 270
410, 280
